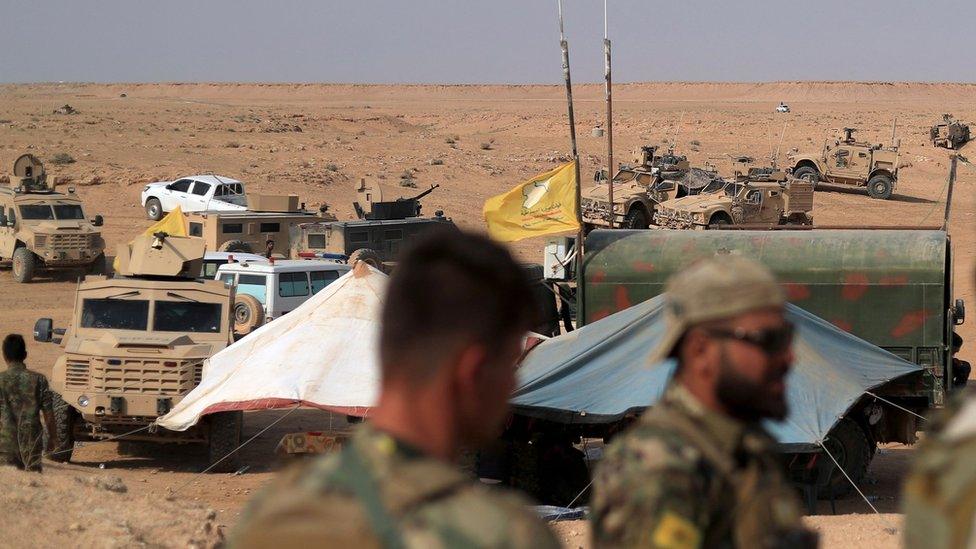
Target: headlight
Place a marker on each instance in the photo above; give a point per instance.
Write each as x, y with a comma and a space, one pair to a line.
83, 401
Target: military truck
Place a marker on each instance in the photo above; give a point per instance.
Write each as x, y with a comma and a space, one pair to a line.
754, 199
382, 227
951, 134
264, 229
892, 288
850, 162
637, 190
42, 229
135, 347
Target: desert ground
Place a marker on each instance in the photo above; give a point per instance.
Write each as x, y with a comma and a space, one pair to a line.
475, 141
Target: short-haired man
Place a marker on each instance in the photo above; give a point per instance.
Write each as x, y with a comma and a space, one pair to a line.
24, 396
697, 470
455, 312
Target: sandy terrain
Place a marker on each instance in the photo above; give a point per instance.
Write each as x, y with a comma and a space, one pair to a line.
316, 140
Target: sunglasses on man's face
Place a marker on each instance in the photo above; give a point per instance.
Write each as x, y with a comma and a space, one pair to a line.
772, 341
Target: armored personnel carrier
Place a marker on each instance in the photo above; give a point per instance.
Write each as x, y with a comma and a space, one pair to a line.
744, 202
637, 190
135, 347
951, 134
375, 237
850, 162
41, 229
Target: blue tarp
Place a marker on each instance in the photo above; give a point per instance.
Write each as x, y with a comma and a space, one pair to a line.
599, 373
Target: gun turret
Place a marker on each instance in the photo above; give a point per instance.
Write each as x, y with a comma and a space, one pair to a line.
421, 195
162, 255
849, 135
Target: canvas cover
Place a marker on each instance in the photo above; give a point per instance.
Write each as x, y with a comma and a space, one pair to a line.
322, 354
599, 373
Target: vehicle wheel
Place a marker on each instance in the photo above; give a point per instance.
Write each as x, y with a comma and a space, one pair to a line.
64, 426
370, 257
852, 449
717, 221
154, 210
808, 173
248, 314
24, 263
236, 246
224, 438
636, 218
99, 266
880, 187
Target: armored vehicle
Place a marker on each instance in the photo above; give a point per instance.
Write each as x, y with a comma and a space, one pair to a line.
135, 347
264, 229
637, 190
850, 162
41, 229
376, 237
759, 200
951, 134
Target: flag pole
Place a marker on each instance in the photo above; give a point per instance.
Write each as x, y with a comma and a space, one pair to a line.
572, 137
609, 94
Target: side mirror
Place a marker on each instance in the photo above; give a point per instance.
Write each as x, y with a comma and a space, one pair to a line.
98, 221
959, 312
44, 330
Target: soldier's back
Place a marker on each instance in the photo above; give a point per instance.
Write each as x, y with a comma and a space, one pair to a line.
378, 493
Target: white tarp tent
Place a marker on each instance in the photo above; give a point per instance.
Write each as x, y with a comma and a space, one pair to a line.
322, 352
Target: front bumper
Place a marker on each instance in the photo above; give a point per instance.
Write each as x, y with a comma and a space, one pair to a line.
673, 222
67, 258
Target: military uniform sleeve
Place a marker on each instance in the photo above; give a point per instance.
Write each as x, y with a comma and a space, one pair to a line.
648, 493
45, 398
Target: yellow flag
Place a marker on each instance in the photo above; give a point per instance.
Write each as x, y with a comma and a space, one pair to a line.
173, 224
545, 204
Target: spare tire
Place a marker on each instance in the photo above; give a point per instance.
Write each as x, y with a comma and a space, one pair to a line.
236, 246
248, 314
370, 257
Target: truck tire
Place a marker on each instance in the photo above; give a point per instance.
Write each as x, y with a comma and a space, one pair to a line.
24, 263
248, 314
717, 220
370, 257
64, 425
808, 173
636, 218
99, 266
853, 450
154, 210
236, 246
880, 187
224, 437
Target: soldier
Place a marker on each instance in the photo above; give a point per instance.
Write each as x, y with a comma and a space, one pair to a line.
24, 395
456, 310
697, 470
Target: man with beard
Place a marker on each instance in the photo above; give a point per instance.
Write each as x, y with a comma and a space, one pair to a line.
455, 312
697, 470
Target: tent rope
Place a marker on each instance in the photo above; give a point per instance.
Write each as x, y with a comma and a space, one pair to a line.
110, 439
902, 408
891, 529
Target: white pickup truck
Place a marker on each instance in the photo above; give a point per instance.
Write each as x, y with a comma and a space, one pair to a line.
196, 193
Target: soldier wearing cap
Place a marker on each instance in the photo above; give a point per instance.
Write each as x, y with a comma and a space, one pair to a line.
697, 469
454, 315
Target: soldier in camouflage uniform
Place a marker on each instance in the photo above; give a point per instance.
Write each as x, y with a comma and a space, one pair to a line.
24, 395
697, 470
454, 315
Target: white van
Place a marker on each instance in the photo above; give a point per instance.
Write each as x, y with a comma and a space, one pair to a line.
213, 260
268, 289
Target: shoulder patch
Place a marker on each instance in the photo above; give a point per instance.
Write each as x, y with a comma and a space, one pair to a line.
676, 532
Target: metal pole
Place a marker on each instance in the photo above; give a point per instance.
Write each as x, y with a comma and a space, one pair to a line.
564, 45
952, 180
609, 94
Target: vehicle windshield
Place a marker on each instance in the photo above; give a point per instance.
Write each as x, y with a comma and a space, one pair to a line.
45, 212
733, 189
187, 316
68, 211
115, 314
713, 186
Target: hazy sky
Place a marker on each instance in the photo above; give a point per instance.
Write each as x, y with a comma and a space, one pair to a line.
495, 41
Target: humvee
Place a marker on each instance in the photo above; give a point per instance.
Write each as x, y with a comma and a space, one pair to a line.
743, 202
41, 229
376, 237
951, 134
135, 347
850, 162
264, 229
637, 190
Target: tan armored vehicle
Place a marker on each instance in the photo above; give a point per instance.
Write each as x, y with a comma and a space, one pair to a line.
135, 347
637, 190
742, 202
264, 229
951, 134
41, 229
850, 162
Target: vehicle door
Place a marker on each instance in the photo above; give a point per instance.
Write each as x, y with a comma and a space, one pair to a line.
198, 198
293, 290
841, 163
175, 194
8, 234
772, 206
321, 279
751, 204
254, 285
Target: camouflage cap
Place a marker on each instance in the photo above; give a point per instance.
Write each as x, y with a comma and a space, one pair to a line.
714, 289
